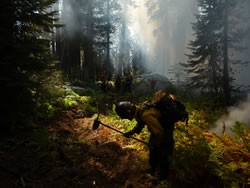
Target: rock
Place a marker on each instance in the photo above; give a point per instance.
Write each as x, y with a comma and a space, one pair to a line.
79, 89
152, 82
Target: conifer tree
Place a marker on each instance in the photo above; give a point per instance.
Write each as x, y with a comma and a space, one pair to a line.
70, 61
106, 19
203, 62
217, 37
25, 53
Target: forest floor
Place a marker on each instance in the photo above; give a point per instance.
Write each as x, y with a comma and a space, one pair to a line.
69, 153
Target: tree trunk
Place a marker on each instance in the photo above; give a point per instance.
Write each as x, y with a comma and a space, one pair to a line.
58, 34
71, 40
225, 55
215, 85
122, 45
75, 56
89, 66
53, 41
65, 43
75, 41
108, 39
214, 73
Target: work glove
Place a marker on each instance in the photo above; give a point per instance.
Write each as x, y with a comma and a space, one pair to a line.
128, 134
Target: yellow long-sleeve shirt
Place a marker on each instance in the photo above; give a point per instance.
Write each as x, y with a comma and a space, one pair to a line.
150, 117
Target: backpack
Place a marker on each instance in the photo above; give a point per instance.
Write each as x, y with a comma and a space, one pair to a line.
170, 107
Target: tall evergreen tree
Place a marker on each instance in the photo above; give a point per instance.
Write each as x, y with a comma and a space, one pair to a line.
106, 19
225, 53
217, 37
70, 62
58, 30
126, 44
88, 45
25, 53
203, 64
122, 39
137, 61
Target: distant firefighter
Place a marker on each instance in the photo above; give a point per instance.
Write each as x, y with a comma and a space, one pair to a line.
127, 84
118, 83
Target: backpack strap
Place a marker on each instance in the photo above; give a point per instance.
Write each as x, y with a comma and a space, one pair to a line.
144, 106
140, 124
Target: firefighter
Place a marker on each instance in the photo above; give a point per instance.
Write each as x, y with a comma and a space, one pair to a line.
118, 84
127, 84
161, 133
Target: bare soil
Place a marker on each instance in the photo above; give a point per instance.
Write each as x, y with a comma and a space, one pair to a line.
69, 153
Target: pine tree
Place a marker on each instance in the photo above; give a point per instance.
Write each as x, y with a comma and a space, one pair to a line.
127, 46
70, 62
93, 28
106, 19
203, 62
25, 53
88, 45
217, 36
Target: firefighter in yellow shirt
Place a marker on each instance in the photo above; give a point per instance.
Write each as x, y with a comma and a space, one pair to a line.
161, 128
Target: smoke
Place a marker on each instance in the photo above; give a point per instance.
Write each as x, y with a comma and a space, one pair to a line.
168, 45
175, 34
239, 113
240, 51
71, 16
141, 29
164, 39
